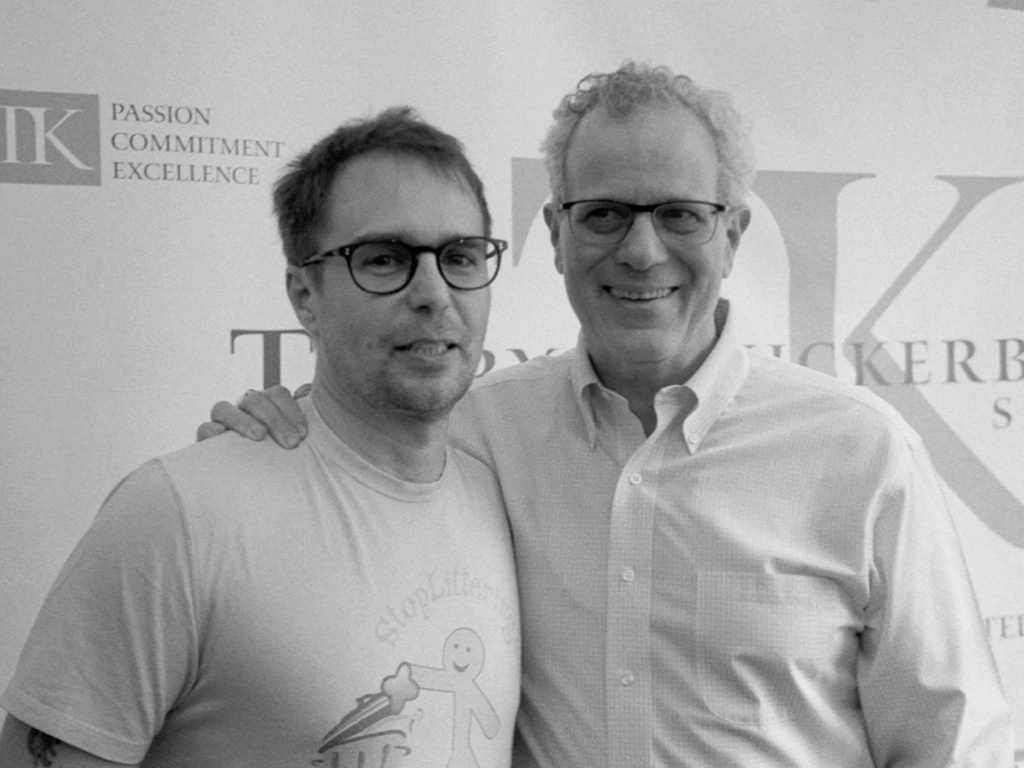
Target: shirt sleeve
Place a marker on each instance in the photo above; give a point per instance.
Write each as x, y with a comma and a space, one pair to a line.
927, 678
115, 644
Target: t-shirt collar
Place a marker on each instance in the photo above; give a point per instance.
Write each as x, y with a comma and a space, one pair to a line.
331, 449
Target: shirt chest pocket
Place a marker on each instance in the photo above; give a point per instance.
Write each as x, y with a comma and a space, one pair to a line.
768, 640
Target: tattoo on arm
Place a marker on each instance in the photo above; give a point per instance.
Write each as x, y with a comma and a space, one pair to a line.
42, 747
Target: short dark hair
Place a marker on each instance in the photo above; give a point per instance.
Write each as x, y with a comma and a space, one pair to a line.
300, 195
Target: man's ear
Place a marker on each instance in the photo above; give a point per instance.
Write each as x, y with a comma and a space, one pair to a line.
552, 219
739, 220
303, 295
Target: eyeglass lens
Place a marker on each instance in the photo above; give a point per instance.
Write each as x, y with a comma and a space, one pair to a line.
607, 221
387, 266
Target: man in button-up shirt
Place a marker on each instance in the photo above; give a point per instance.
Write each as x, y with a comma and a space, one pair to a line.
724, 559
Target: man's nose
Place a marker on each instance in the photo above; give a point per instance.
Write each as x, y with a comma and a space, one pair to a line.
642, 247
428, 288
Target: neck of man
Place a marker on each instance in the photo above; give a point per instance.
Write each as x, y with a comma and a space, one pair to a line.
409, 447
639, 383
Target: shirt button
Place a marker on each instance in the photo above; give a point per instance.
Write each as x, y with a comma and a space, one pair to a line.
692, 439
627, 679
628, 574
636, 478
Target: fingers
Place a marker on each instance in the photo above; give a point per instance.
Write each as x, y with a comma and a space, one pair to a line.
231, 417
238, 402
289, 409
272, 410
209, 429
256, 414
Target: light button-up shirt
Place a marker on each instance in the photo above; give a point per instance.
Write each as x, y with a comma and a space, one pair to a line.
782, 582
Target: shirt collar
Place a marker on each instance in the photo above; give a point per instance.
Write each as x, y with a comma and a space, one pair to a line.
713, 385
584, 382
718, 379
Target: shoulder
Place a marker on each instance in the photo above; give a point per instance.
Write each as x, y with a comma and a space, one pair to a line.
536, 369
816, 389
785, 393
538, 377
209, 485
514, 402
229, 464
228, 454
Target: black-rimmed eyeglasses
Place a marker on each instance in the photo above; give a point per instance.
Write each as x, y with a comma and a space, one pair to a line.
388, 266
606, 222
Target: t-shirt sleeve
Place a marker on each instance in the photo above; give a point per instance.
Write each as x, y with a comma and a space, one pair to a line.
115, 644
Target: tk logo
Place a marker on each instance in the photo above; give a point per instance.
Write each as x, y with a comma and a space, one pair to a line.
49, 138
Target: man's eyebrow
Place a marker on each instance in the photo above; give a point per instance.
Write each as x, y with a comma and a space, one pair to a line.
406, 237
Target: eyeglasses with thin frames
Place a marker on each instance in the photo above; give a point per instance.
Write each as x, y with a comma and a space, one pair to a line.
383, 267
606, 222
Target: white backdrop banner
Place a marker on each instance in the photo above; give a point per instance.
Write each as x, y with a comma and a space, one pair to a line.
142, 277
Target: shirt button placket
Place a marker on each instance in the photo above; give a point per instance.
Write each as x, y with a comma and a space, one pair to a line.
628, 640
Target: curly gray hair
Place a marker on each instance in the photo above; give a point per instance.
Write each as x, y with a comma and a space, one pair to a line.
634, 85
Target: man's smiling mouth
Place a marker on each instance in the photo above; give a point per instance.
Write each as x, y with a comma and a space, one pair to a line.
635, 295
427, 348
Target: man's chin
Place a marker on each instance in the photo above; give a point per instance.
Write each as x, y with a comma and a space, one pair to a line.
429, 400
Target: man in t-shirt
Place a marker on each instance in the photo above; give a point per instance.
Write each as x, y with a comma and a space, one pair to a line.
349, 603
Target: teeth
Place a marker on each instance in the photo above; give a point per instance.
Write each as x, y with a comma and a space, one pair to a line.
428, 348
622, 293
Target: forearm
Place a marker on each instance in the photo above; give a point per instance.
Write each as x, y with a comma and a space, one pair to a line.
22, 746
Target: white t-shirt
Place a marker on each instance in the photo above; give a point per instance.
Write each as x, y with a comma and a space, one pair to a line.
235, 604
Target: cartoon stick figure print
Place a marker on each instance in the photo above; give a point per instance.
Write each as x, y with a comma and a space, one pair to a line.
462, 659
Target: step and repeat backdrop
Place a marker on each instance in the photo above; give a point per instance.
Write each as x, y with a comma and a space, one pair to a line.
142, 279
